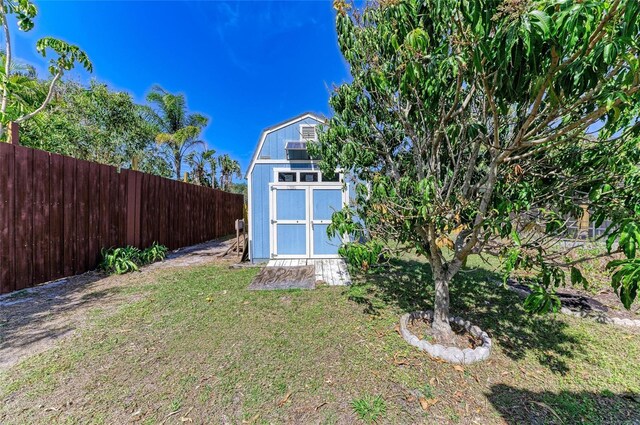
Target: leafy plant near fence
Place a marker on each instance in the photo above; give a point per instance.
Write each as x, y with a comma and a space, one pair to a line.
155, 252
129, 259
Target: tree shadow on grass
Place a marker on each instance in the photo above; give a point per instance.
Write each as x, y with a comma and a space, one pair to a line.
517, 406
31, 319
408, 285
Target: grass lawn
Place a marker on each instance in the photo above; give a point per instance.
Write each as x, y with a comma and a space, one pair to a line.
194, 346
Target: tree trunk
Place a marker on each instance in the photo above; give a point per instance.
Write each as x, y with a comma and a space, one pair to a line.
440, 323
178, 162
7, 61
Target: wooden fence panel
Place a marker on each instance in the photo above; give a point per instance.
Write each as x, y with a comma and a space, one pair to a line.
24, 216
82, 215
94, 215
57, 213
7, 208
41, 217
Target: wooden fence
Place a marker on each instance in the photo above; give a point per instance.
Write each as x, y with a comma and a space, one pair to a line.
57, 213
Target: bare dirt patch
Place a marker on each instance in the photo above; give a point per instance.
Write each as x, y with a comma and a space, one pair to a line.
32, 320
460, 338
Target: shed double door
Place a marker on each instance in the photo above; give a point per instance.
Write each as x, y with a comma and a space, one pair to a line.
300, 216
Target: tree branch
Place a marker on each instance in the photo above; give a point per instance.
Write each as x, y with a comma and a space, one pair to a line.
45, 102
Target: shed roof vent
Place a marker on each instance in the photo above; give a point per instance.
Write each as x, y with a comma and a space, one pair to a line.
308, 132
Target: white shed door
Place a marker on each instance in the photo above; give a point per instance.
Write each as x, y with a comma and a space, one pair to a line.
300, 216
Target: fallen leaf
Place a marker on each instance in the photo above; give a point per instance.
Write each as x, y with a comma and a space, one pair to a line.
399, 362
410, 399
397, 328
458, 394
285, 399
458, 368
432, 381
427, 403
183, 419
320, 405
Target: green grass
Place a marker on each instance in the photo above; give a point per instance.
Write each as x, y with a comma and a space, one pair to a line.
195, 344
369, 408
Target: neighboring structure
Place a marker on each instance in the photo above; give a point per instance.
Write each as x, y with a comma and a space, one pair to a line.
290, 201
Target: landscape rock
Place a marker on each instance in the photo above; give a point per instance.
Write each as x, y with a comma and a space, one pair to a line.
449, 354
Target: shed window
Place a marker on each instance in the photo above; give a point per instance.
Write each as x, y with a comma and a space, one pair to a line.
308, 177
286, 177
308, 132
334, 178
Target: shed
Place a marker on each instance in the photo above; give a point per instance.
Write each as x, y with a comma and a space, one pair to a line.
290, 201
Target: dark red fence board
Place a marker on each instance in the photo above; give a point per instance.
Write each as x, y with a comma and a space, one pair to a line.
7, 208
82, 216
24, 216
94, 214
57, 213
69, 215
41, 205
102, 193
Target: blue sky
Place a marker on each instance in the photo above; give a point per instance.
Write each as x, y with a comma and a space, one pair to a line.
247, 65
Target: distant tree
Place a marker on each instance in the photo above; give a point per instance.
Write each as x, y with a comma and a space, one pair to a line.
228, 168
13, 106
178, 130
96, 124
203, 167
478, 125
239, 188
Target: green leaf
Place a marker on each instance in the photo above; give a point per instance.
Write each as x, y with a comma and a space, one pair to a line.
516, 237
610, 53
540, 301
577, 278
542, 21
610, 240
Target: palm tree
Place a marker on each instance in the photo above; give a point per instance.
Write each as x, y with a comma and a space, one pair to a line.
178, 130
228, 168
203, 167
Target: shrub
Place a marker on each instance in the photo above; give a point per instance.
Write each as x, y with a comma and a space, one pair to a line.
155, 252
129, 259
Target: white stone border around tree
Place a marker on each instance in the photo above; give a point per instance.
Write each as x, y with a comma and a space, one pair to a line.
448, 354
600, 318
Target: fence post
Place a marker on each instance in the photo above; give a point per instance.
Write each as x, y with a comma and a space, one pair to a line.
14, 133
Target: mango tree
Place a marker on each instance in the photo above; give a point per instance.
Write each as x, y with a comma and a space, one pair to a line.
477, 125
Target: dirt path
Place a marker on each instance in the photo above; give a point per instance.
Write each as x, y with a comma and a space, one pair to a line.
32, 320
